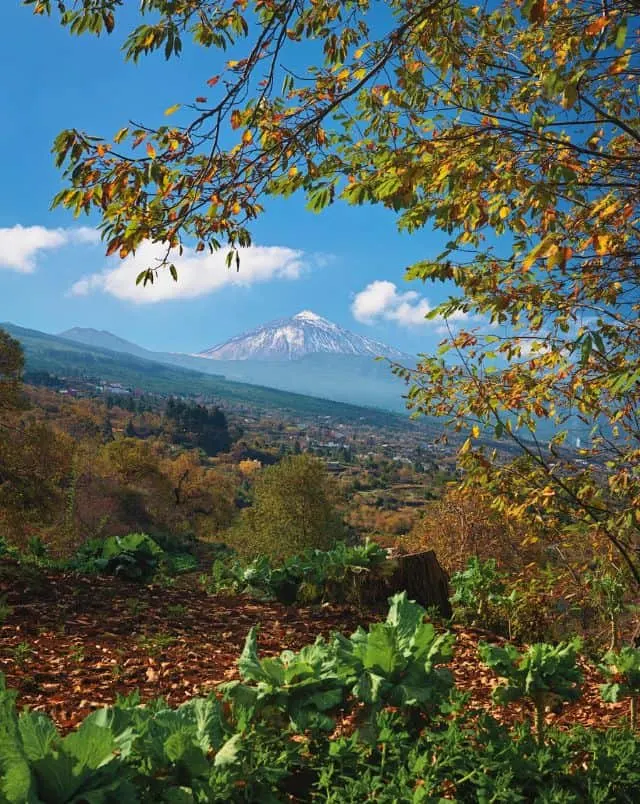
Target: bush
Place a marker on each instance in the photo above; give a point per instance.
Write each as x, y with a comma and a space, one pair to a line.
315, 576
134, 557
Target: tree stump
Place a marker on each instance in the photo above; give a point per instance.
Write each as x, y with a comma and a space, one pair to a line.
418, 574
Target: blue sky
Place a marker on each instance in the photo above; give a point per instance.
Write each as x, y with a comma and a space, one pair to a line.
346, 264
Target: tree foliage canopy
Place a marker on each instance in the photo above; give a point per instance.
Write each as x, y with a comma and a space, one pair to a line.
513, 127
293, 509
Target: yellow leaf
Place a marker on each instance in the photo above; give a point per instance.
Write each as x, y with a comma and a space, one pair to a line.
465, 447
476, 431
504, 211
293, 171
172, 109
247, 137
602, 243
151, 150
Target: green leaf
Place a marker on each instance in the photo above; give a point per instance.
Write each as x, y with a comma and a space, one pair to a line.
229, 752
38, 735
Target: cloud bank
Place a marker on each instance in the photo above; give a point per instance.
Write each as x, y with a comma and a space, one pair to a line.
20, 246
198, 273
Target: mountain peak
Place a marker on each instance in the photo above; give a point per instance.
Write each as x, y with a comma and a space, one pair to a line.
309, 315
303, 334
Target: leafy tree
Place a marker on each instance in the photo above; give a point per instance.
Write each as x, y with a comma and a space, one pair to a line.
197, 426
35, 460
511, 127
11, 367
293, 509
107, 430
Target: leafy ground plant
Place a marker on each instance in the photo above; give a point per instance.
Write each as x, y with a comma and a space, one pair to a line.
545, 674
300, 688
398, 662
622, 670
37, 765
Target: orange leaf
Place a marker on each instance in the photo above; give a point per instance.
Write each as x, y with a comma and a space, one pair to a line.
213, 81
594, 28
151, 150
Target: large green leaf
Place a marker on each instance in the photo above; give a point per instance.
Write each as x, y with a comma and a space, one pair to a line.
38, 735
405, 616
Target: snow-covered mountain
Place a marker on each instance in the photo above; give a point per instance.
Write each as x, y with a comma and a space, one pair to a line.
294, 338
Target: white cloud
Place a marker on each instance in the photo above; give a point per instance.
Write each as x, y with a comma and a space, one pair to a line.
198, 274
20, 246
381, 300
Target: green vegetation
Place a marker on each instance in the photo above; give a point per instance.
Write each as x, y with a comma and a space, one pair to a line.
293, 510
546, 674
623, 672
58, 357
314, 576
272, 734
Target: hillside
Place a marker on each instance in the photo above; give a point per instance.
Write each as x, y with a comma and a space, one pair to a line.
301, 355
63, 357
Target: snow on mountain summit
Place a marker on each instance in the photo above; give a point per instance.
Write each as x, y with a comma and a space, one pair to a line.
293, 338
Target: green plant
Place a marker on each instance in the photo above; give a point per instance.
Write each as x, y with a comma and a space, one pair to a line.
176, 610
297, 688
311, 577
397, 662
155, 644
622, 670
38, 765
136, 606
479, 590
135, 557
22, 654
609, 588
547, 675
36, 547
76, 654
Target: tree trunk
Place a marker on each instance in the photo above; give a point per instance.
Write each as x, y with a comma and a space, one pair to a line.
418, 574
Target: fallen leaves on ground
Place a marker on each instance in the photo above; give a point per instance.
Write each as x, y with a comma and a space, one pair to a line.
72, 644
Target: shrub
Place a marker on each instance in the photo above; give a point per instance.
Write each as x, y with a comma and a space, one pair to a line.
134, 557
